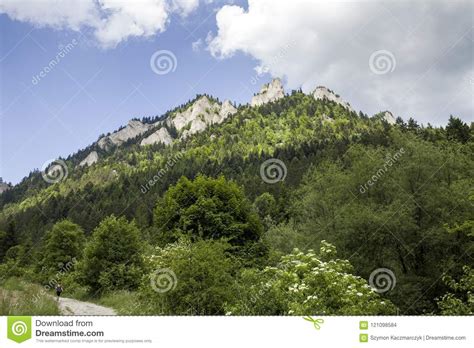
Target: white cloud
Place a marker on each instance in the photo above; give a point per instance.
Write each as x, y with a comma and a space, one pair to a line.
70, 14
196, 45
112, 21
312, 43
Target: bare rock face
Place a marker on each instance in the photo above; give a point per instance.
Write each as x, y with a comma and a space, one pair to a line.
269, 92
133, 129
160, 136
3, 186
389, 118
326, 118
202, 113
325, 93
91, 158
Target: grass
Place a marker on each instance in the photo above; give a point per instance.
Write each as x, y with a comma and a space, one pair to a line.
20, 298
124, 302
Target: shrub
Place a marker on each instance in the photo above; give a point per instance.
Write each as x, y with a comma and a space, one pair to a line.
112, 258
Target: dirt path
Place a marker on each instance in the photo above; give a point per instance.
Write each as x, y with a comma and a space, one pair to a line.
68, 306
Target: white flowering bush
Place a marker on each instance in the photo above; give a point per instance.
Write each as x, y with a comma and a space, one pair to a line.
307, 283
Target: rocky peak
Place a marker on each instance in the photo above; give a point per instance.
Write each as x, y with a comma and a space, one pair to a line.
269, 93
389, 118
91, 158
133, 129
322, 92
202, 113
3, 186
160, 136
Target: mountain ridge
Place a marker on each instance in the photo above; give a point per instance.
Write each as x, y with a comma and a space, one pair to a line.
196, 117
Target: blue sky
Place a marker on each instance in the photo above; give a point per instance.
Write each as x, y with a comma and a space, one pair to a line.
106, 78
93, 90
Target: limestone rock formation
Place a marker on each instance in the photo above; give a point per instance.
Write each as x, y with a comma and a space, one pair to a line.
133, 129
269, 93
322, 92
3, 186
160, 136
202, 113
389, 118
91, 158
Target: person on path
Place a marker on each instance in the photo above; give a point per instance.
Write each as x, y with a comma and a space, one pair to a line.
59, 290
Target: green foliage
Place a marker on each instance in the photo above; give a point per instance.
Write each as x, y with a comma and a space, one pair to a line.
460, 301
63, 246
112, 258
266, 205
20, 298
383, 212
198, 278
303, 283
123, 302
457, 130
209, 209
339, 187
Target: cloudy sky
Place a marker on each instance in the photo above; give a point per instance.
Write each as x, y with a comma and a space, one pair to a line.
71, 70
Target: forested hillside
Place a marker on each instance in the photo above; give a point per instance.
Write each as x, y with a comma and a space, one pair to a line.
290, 207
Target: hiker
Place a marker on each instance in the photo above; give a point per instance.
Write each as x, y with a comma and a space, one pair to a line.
59, 290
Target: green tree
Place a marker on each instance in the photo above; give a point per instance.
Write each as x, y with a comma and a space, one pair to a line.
266, 205
457, 130
207, 208
460, 300
63, 246
112, 258
189, 278
303, 283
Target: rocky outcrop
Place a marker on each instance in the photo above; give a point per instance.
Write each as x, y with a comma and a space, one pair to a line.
3, 186
325, 93
389, 118
160, 136
326, 118
91, 158
133, 129
269, 93
202, 113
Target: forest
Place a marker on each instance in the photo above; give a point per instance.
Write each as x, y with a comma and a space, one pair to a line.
295, 207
